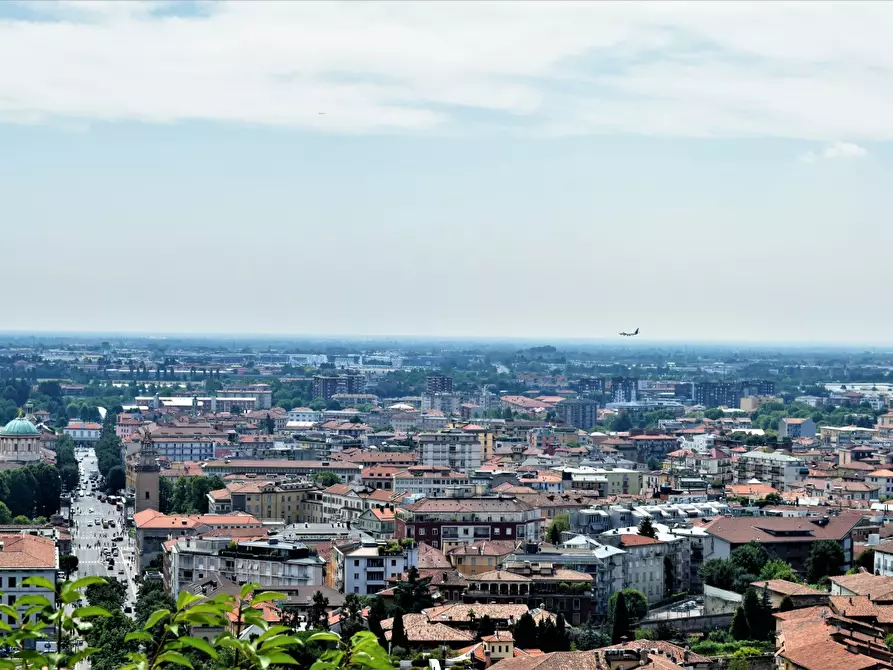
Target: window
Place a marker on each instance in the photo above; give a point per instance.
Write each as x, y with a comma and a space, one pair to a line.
356, 589
434, 531
496, 531
356, 575
356, 562
147, 495
421, 531
508, 531
12, 583
393, 562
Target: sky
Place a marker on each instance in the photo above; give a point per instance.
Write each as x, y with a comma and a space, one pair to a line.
702, 171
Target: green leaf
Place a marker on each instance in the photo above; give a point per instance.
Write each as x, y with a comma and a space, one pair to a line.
229, 642
174, 657
84, 582
74, 659
185, 599
281, 641
267, 596
280, 658
40, 582
198, 643
324, 637
157, 616
34, 599
270, 632
247, 588
92, 610
9, 611
140, 635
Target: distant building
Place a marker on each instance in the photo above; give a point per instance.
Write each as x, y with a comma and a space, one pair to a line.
83, 432
717, 394
775, 468
20, 442
438, 384
326, 386
578, 412
624, 389
793, 429
455, 449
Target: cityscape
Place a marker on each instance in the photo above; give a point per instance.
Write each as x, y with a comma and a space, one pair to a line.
428, 335
473, 504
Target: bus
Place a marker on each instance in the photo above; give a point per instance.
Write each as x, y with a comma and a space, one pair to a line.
105, 523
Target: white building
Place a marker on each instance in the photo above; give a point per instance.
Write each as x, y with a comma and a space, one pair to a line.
269, 562
304, 414
775, 468
364, 568
83, 431
883, 559
643, 568
454, 449
21, 556
795, 428
883, 479
433, 482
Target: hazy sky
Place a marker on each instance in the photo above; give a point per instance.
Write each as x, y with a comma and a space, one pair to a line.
704, 170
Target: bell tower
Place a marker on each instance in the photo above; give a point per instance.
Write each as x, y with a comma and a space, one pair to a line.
146, 476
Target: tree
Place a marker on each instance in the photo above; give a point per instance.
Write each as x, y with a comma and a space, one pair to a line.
152, 597
486, 626
352, 615
326, 479
620, 628
740, 629
559, 524
758, 615
165, 495
70, 476
21, 520
647, 529
826, 559
318, 615
68, 564
562, 639
786, 604
110, 595
525, 632
719, 573
778, 569
414, 594
398, 632
866, 560
270, 425
669, 576
750, 558
5, 514
378, 612
621, 423
636, 604
116, 479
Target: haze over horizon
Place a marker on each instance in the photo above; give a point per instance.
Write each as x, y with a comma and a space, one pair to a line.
705, 172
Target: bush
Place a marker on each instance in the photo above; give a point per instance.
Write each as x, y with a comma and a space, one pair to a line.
645, 634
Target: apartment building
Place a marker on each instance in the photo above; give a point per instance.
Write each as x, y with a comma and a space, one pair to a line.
578, 412
840, 436
432, 482
883, 479
607, 481
269, 562
624, 389
261, 393
775, 468
326, 386
83, 432
792, 429
304, 415
365, 567
262, 499
717, 394
446, 523
347, 472
456, 449
23, 555
438, 384
343, 502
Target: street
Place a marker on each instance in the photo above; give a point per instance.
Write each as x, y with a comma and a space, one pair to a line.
89, 539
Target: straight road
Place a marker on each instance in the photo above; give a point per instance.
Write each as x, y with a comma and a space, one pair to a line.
89, 540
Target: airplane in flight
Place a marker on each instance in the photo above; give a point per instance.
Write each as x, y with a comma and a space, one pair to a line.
633, 334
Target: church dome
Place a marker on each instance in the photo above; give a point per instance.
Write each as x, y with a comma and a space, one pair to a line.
19, 427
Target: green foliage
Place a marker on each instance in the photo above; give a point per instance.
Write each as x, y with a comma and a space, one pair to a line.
888, 640
116, 480
68, 564
398, 631
109, 594
620, 625
413, 594
485, 626
825, 559
786, 604
378, 612
645, 634
750, 558
740, 627
866, 560
647, 529
187, 495
525, 632
318, 615
585, 638
352, 615
559, 524
719, 573
326, 479
779, 569
636, 604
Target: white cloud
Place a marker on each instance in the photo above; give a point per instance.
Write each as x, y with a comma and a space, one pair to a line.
836, 151
809, 71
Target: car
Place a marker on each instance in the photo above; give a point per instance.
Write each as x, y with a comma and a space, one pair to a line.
111, 523
89, 523
121, 570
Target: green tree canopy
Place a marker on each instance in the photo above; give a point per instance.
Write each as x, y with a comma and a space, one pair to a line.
647, 529
750, 558
620, 625
826, 559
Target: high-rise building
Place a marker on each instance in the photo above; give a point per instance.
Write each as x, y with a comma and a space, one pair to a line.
716, 394
757, 387
438, 384
578, 412
589, 384
325, 386
624, 389
454, 449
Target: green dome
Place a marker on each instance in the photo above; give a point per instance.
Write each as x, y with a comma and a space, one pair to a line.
20, 426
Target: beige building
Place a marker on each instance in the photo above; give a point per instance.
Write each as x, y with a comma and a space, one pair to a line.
20, 442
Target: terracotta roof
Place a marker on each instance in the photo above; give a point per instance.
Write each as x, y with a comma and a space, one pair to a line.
761, 490
484, 548
875, 587
880, 473
499, 636
559, 660
741, 530
861, 607
635, 540
787, 588
458, 612
27, 551
672, 651
430, 558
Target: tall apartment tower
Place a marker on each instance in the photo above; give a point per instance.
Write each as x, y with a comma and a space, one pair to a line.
146, 474
438, 384
624, 389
